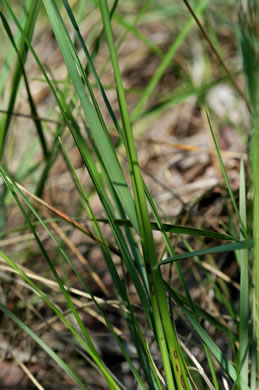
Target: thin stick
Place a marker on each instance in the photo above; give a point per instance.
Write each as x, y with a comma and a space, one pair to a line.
29, 374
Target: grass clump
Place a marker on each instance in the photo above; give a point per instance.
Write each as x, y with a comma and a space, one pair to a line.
138, 287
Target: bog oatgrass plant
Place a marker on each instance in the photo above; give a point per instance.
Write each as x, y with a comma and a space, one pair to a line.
131, 257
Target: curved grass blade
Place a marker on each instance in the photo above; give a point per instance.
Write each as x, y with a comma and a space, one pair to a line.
244, 287
119, 286
219, 355
121, 186
171, 228
167, 339
179, 96
226, 177
92, 68
92, 352
90, 348
205, 315
10, 52
132, 29
124, 252
23, 50
44, 346
245, 244
166, 61
132, 322
34, 112
101, 136
181, 277
62, 316
99, 40
256, 228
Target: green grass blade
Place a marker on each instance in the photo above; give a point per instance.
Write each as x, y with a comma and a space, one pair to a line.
253, 341
248, 23
10, 52
143, 352
124, 252
34, 112
244, 286
205, 315
23, 50
132, 29
63, 108
181, 277
167, 59
92, 68
219, 355
142, 11
180, 95
111, 267
100, 38
55, 309
171, 228
90, 348
226, 177
167, 338
101, 137
245, 244
44, 346
256, 227
52, 156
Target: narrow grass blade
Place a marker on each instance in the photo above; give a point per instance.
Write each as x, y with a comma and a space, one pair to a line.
55, 309
101, 136
23, 50
141, 12
181, 277
12, 186
219, 355
100, 38
51, 158
180, 95
256, 228
245, 244
10, 52
34, 112
167, 339
226, 178
166, 61
171, 228
116, 232
120, 288
93, 70
249, 38
119, 186
205, 315
253, 341
90, 348
44, 346
132, 29
244, 286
